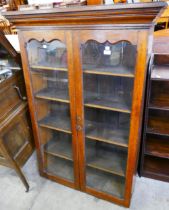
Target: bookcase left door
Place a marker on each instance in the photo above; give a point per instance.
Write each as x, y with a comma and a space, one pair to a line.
49, 77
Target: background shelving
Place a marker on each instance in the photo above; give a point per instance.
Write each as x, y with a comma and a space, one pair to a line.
155, 149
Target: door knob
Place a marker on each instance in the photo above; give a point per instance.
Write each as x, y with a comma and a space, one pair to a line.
78, 127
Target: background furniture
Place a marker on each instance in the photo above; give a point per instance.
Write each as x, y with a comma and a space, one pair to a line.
94, 2
6, 27
155, 142
16, 141
85, 85
161, 42
164, 18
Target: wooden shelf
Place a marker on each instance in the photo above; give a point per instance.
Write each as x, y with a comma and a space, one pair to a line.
14, 68
160, 72
56, 123
156, 132
101, 133
153, 132
41, 67
105, 182
59, 148
161, 59
59, 167
165, 108
156, 142
113, 162
159, 97
108, 104
157, 146
154, 154
156, 165
53, 95
156, 176
158, 121
120, 71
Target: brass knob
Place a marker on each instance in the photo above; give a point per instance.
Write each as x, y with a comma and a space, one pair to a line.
78, 128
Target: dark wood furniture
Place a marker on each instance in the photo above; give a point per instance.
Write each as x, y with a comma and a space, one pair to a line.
16, 141
160, 43
85, 71
155, 142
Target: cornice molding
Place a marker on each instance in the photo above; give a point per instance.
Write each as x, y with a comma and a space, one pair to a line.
140, 13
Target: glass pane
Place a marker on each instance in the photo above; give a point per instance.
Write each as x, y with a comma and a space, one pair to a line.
49, 75
58, 154
105, 182
54, 114
108, 80
108, 92
107, 126
109, 58
47, 54
8, 66
99, 155
51, 85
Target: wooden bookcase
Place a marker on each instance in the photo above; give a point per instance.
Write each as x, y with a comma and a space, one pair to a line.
85, 71
155, 144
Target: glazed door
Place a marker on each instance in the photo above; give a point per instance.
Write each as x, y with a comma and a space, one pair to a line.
108, 68
52, 102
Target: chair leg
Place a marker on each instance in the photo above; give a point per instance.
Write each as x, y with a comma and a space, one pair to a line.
20, 174
14, 165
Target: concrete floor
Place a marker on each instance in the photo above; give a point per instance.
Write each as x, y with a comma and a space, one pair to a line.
47, 195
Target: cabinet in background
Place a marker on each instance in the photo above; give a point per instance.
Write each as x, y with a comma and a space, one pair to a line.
16, 141
154, 160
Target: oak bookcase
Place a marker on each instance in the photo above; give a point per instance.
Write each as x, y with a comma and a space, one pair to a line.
85, 71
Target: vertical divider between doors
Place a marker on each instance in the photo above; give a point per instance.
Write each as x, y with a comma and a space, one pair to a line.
73, 104
79, 108
136, 113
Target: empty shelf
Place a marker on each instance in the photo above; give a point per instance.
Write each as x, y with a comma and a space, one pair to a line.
61, 148
160, 72
100, 133
157, 106
105, 182
56, 123
49, 67
53, 94
157, 146
113, 70
156, 165
59, 167
108, 104
111, 162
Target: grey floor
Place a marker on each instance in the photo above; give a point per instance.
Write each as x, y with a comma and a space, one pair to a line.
47, 195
